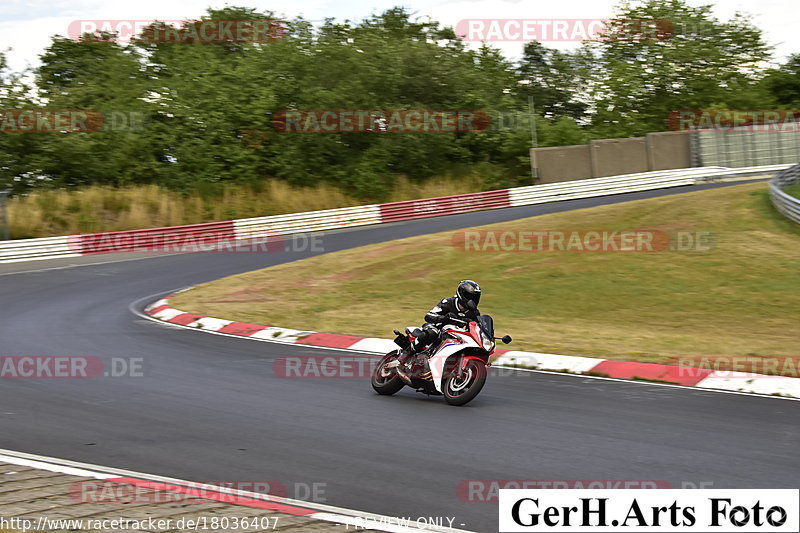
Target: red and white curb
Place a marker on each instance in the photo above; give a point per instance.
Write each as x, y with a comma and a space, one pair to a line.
727, 381
314, 511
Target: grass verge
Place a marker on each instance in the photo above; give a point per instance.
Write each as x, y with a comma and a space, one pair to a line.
741, 298
794, 190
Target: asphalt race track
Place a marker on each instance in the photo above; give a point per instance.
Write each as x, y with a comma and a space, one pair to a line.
210, 408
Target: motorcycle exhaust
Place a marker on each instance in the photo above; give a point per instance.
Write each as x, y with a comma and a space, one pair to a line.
402, 375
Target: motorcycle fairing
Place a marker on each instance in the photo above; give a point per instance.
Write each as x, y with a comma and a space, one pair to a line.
451, 346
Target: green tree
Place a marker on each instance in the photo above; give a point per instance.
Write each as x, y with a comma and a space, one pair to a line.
207, 96
641, 78
555, 80
208, 108
18, 167
783, 83
100, 77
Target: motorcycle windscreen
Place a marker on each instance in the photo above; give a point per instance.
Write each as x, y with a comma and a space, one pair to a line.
486, 323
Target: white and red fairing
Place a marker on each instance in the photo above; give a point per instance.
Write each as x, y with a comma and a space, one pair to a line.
461, 338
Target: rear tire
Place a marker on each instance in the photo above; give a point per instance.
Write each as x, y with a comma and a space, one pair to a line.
386, 381
458, 391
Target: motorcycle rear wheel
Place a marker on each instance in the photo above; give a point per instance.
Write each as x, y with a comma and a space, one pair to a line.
386, 381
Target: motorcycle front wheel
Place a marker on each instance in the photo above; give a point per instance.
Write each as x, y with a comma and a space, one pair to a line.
385, 380
460, 390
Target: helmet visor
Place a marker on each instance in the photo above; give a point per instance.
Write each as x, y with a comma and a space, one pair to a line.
469, 292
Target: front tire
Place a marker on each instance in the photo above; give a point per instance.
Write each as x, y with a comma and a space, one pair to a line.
459, 391
385, 381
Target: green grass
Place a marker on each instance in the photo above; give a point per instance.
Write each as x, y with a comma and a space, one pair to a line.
741, 298
794, 190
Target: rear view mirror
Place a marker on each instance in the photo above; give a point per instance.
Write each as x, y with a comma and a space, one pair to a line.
506, 339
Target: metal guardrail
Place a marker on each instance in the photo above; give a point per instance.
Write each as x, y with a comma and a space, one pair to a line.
32, 249
328, 219
742, 173
570, 190
178, 238
786, 203
444, 205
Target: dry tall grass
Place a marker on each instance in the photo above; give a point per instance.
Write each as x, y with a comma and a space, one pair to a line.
95, 209
407, 190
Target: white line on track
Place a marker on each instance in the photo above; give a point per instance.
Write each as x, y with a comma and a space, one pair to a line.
78, 265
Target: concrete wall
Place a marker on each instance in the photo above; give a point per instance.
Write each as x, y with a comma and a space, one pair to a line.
668, 150
611, 157
562, 163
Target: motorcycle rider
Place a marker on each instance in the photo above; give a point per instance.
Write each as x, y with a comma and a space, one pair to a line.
457, 309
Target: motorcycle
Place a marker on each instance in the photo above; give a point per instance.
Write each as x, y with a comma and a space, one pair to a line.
454, 366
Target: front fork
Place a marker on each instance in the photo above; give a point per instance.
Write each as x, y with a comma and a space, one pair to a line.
461, 364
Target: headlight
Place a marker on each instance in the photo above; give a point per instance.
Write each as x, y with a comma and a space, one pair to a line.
488, 344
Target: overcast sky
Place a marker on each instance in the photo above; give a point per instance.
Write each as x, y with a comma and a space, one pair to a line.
27, 25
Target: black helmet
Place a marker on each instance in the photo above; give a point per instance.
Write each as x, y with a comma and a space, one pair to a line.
468, 291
